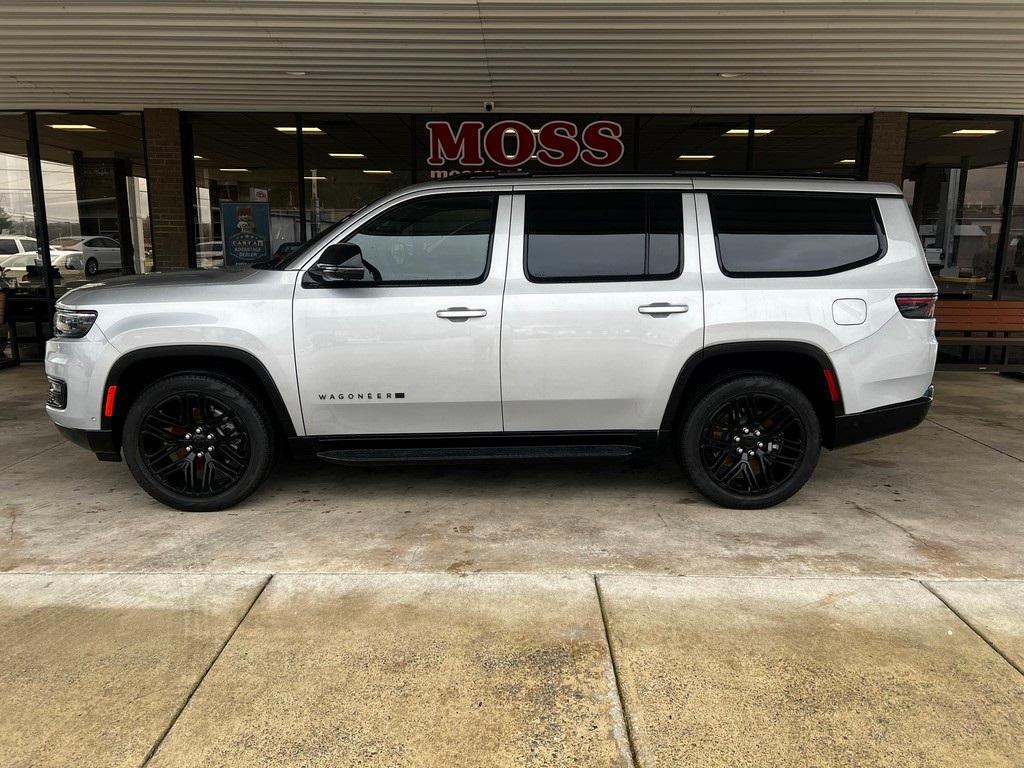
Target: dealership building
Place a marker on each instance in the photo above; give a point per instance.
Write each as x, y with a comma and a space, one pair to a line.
145, 136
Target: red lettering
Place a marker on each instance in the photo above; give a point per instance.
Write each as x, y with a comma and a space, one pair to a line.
494, 143
558, 143
463, 146
603, 142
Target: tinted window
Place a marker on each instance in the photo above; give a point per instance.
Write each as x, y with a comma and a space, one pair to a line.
28, 243
436, 239
612, 235
794, 234
8, 247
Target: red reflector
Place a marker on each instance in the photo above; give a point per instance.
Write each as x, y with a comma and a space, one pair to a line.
832, 384
108, 402
920, 306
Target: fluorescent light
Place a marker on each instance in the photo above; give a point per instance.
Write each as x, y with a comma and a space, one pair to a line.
296, 72
975, 132
234, 170
73, 127
695, 157
731, 75
315, 178
846, 162
293, 129
379, 172
347, 155
745, 131
198, 157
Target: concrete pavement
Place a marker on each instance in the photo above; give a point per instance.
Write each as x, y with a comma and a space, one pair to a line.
535, 615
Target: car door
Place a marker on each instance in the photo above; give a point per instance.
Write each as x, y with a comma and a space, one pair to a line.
111, 250
414, 348
603, 306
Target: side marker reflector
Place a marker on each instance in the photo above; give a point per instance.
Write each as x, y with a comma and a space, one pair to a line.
108, 401
833, 385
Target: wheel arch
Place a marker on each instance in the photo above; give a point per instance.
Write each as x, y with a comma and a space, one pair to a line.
804, 365
135, 370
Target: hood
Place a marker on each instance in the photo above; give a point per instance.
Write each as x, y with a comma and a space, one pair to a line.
156, 286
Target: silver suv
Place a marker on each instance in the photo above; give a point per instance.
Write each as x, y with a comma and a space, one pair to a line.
742, 323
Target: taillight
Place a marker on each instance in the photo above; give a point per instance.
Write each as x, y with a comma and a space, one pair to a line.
920, 306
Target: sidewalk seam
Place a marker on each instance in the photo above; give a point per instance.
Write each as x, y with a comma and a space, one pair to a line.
976, 440
615, 673
174, 719
970, 625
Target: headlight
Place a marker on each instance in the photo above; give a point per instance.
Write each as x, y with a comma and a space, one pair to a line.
72, 323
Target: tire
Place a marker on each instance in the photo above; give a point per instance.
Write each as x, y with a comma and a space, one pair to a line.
91, 267
777, 452
177, 469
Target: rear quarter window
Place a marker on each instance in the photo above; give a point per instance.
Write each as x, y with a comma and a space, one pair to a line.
779, 235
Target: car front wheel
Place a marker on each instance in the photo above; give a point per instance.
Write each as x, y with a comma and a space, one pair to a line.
197, 442
750, 442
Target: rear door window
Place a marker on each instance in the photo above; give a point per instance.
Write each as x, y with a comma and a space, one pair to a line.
794, 234
603, 235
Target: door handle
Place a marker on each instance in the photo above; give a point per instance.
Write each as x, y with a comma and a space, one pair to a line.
663, 309
460, 314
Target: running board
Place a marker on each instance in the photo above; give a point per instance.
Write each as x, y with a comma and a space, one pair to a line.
480, 454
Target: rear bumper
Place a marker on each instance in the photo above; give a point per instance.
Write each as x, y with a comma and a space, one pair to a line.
879, 422
99, 441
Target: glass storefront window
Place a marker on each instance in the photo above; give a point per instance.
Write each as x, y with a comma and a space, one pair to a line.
1013, 264
97, 217
351, 160
954, 178
247, 200
693, 143
808, 145
18, 274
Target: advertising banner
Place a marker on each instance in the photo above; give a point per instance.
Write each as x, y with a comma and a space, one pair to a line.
245, 231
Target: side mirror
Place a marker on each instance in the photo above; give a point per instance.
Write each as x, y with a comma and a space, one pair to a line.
340, 262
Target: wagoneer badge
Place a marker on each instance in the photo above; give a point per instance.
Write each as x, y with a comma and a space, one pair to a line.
346, 396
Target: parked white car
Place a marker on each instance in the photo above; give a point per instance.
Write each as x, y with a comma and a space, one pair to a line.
94, 254
742, 323
17, 252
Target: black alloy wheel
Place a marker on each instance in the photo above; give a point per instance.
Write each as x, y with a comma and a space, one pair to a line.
197, 442
751, 442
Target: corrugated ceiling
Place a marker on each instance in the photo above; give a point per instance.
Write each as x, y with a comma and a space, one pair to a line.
426, 56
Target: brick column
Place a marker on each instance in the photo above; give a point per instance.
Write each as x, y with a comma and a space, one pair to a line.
167, 213
888, 143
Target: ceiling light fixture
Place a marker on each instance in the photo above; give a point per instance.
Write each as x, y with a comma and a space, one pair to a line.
73, 127
695, 157
293, 129
315, 178
745, 131
379, 172
975, 132
846, 162
234, 170
347, 155
296, 72
198, 157
731, 75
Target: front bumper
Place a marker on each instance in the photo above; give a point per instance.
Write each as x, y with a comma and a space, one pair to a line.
878, 422
99, 441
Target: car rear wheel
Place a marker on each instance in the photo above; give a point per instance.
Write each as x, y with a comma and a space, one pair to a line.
750, 442
198, 442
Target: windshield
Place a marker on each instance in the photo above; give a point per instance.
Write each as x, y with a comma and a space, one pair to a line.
286, 261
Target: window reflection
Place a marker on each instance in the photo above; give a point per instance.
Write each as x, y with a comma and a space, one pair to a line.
954, 179
97, 209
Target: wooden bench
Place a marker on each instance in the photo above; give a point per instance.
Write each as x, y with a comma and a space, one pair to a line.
990, 324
